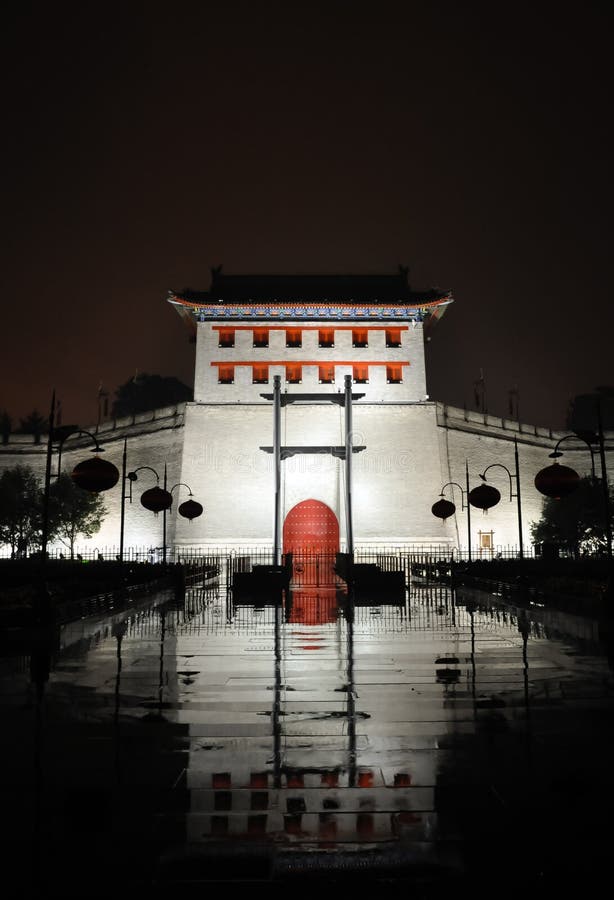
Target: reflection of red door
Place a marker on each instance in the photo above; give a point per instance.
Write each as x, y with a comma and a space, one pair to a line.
313, 606
311, 534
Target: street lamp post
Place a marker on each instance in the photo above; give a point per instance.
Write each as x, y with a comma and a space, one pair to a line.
558, 481
604, 485
93, 475
512, 495
156, 499
444, 508
47, 487
189, 509
122, 514
556, 453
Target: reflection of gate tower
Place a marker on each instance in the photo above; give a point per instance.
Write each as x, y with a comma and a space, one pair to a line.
313, 332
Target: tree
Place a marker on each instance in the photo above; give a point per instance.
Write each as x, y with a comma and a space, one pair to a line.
577, 521
20, 509
6, 426
145, 392
73, 512
582, 413
34, 424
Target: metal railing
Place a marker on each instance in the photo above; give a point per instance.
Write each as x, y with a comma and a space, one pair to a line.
385, 555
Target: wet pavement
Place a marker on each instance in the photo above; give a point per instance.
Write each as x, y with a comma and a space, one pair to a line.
445, 743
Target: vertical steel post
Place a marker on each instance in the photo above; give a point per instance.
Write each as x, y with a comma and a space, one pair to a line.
604, 485
468, 511
122, 517
276, 716
164, 524
45, 517
518, 498
277, 464
348, 464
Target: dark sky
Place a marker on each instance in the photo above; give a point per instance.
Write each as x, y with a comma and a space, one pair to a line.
144, 143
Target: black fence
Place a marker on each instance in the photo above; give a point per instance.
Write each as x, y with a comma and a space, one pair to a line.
385, 556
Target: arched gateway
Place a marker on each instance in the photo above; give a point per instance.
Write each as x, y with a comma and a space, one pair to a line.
311, 534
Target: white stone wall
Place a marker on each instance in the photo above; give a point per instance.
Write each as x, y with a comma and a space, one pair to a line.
486, 440
153, 439
208, 390
413, 448
392, 478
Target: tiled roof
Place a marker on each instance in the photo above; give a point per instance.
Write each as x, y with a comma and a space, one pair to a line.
387, 289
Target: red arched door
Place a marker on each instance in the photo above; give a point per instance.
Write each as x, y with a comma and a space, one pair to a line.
311, 534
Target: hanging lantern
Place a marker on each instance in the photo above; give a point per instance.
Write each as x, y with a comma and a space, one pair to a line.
191, 509
95, 475
556, 481
156, 499
443, 509
484, 496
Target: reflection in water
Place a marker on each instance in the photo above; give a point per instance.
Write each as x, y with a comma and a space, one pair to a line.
40, 668
118, 631
276, 717
315, 606
210, 725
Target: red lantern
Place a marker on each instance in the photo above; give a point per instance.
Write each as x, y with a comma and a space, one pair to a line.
95, 475
191, 509
156, 499
556, 481
484, 496
443, 509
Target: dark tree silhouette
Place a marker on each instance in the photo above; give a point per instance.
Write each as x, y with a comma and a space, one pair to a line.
6, 426
145, 392
34, 424
575, 522
582, 413
73, 512
20, 509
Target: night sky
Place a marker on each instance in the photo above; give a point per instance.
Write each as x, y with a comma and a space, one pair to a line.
144, 143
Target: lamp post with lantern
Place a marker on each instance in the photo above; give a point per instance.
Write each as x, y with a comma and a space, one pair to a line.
157, 499
490, 496
443, 508
484, 496
93, 474
557, 481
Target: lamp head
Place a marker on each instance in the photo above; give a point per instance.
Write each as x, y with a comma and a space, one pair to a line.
555, 454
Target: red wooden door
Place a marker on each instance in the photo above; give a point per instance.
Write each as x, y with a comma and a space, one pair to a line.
311, 534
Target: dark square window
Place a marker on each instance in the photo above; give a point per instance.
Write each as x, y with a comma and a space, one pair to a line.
227, 337
261, 337
326, 337
294, 374
294, 337
226, 374
393, 337
222, 800
259, 800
